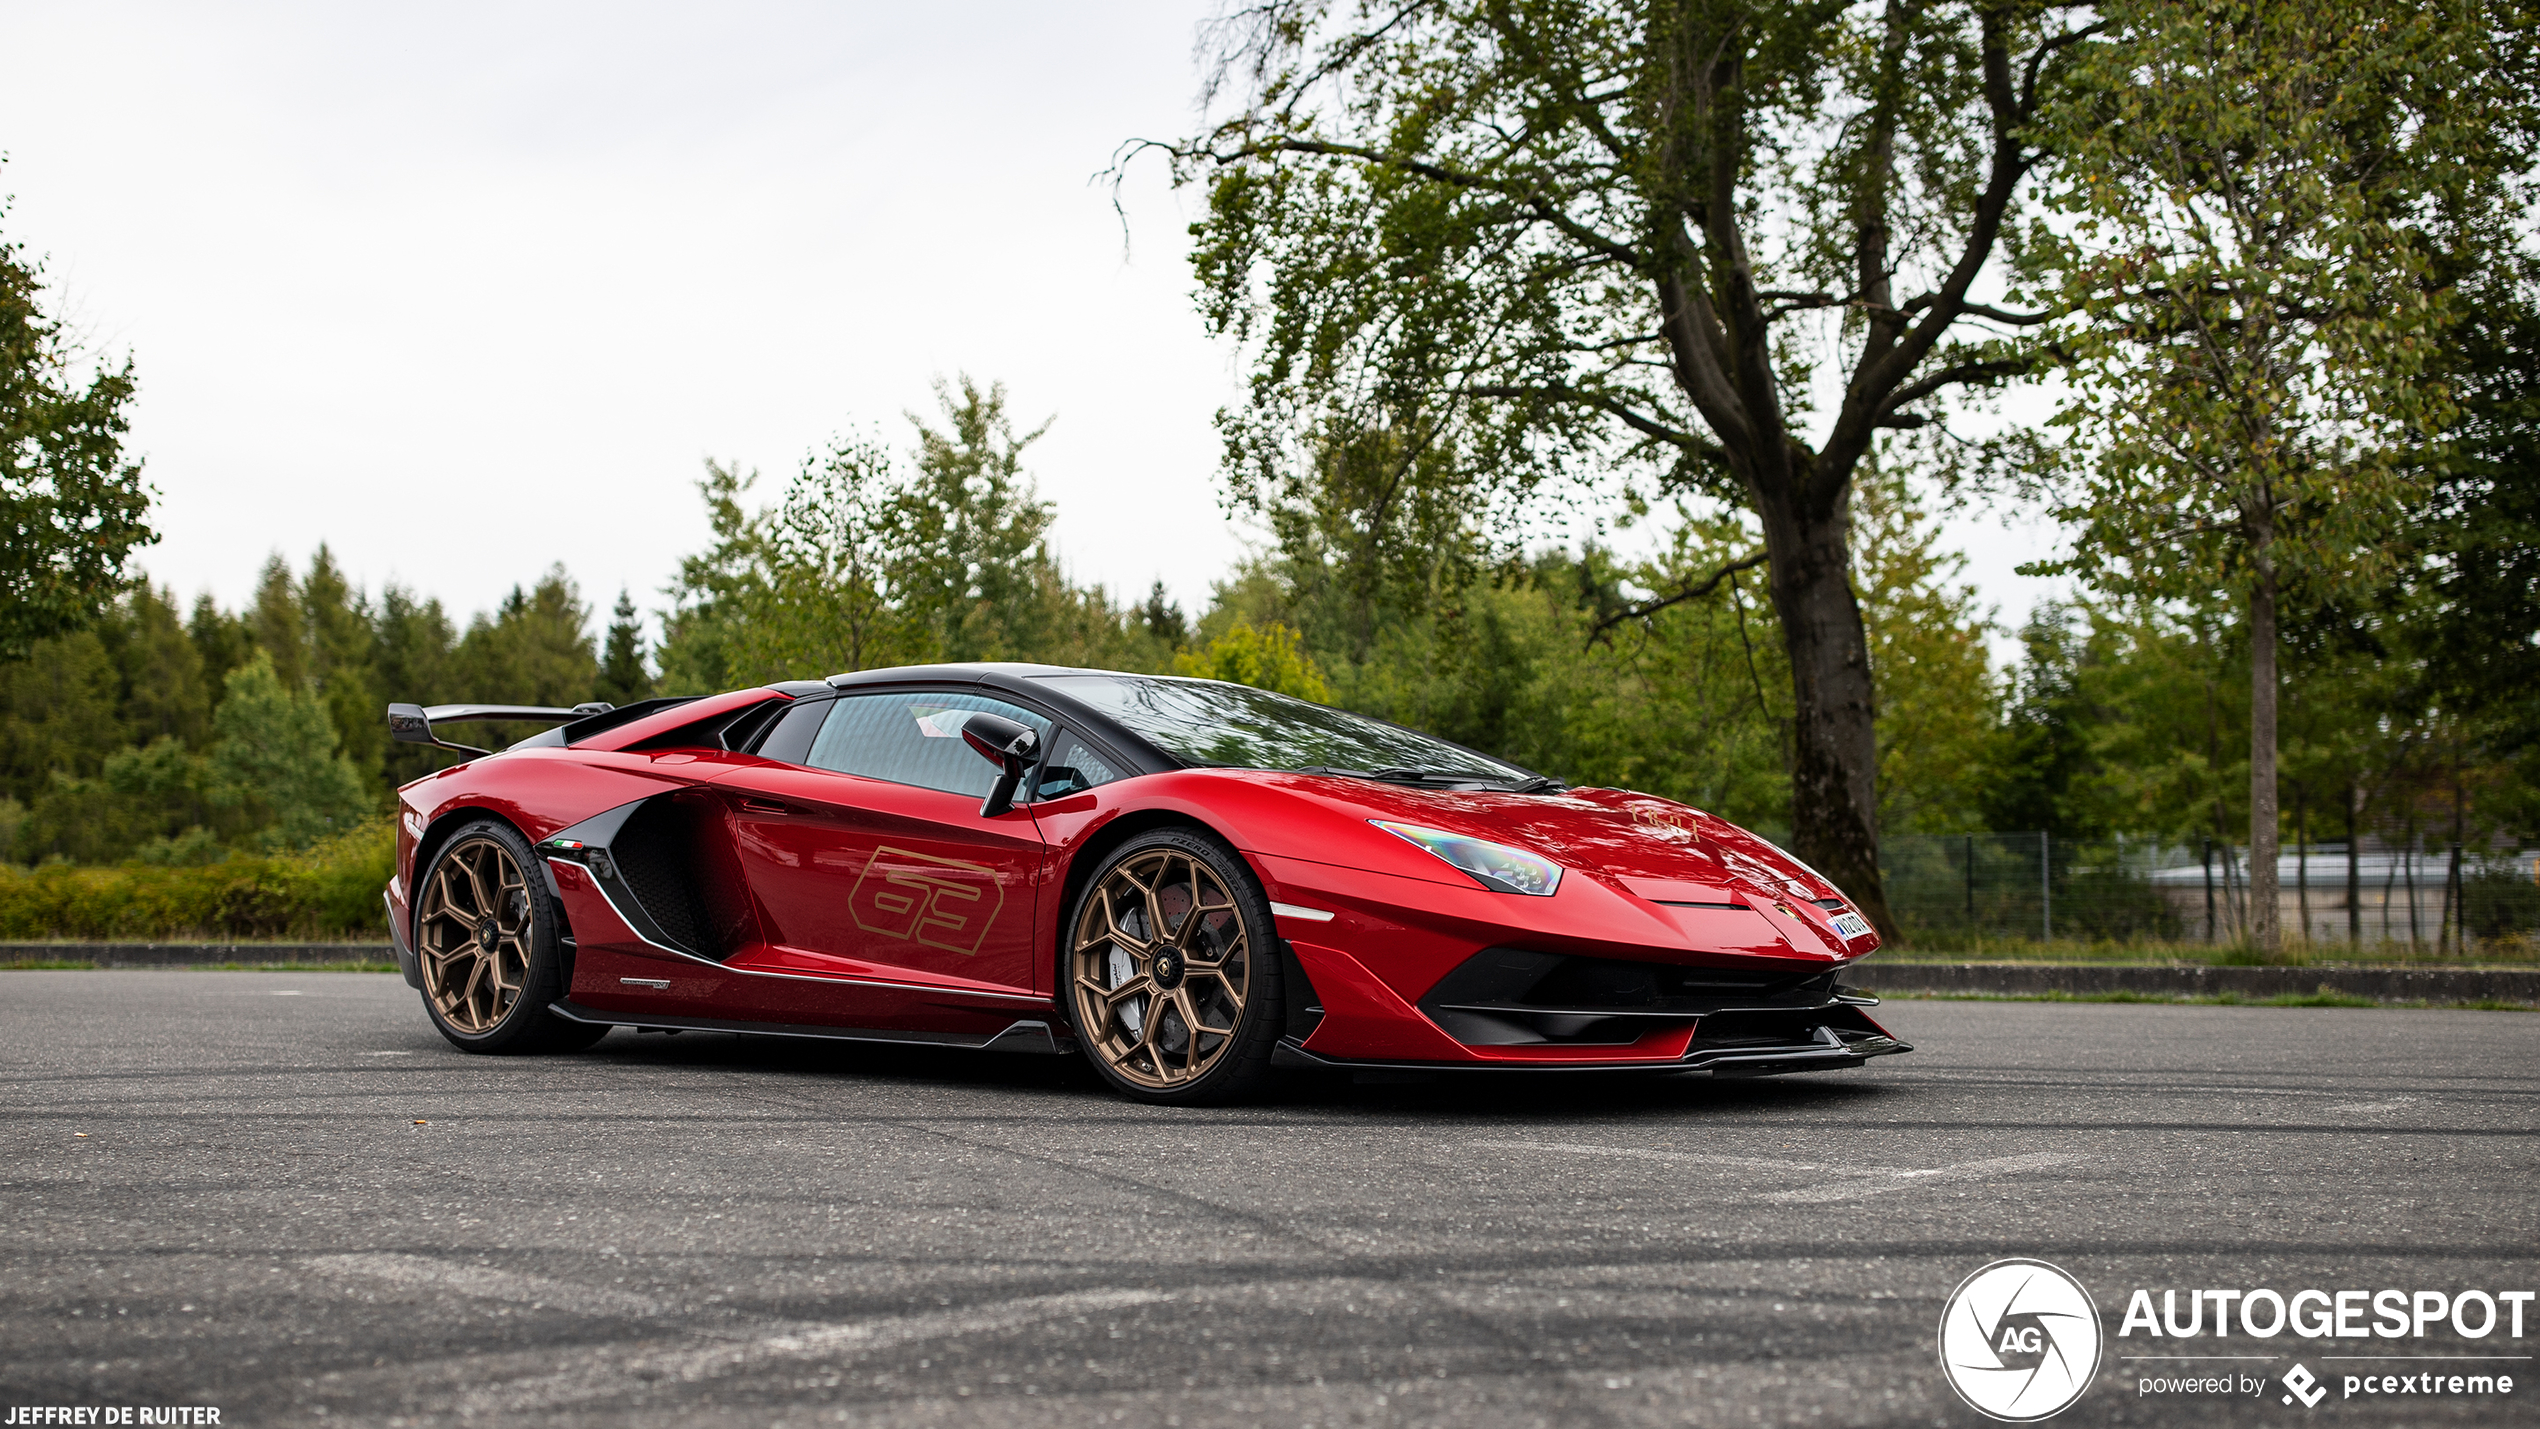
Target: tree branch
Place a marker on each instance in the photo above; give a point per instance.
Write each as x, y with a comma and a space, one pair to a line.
1531, 197
1645, 425
1691, 592
1949, 376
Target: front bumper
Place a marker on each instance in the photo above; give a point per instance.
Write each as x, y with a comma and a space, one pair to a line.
1511, 1008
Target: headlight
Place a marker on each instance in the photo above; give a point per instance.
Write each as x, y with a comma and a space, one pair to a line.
1496, 867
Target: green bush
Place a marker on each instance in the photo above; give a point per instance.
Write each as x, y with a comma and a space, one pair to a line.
329, 892
2500, 903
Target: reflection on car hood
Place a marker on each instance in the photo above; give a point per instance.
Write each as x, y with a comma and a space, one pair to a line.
1659, 849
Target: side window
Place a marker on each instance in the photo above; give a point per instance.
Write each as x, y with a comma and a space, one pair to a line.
1071, 768
912, 737
790, 740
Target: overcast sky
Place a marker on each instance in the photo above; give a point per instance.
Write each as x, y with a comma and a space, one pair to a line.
464, 291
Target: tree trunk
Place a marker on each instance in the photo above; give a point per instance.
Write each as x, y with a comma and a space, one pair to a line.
1834, 743
2302, 858
2262, 925
2354, 873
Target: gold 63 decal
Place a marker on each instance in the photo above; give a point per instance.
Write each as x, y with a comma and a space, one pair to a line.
940, 902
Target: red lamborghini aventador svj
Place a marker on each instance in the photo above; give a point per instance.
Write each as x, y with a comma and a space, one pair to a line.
1191, 883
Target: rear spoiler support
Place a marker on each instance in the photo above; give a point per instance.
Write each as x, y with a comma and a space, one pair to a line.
412, 724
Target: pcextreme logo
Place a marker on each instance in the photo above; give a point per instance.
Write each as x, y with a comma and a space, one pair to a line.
2020, 1340
940, 902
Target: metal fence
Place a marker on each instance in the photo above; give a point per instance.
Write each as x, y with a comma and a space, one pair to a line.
2035, 886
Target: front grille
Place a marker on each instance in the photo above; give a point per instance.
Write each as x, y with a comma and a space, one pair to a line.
1507, 996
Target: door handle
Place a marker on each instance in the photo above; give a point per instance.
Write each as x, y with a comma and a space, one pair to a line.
766, 806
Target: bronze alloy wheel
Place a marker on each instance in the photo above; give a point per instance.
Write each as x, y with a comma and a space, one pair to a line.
475, 930
1162, 966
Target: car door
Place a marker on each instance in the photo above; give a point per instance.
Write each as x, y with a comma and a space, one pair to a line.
866, 850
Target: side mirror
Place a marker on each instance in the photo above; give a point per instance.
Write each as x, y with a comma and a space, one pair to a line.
1012, 747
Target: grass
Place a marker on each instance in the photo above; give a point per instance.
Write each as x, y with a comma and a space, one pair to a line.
2502, 952
63, 964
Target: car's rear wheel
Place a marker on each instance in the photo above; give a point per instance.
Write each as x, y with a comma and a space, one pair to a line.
488, 935
1172, 971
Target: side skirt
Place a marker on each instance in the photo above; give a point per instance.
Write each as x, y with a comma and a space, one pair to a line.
1031, 1035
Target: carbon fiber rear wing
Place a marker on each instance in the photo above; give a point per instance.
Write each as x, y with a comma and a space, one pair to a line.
413, 724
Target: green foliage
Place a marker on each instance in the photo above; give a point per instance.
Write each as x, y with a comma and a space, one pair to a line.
175, 740
863, 561
330, 891
2500, 904
275, 752
2258, 197
74, 506
1270, 658
1488, 264
2255, 197
1688, 700
623, 678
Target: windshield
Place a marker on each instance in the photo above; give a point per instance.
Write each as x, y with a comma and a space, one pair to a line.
1209, 722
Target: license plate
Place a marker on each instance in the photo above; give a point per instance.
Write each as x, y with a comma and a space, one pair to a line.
1852, 925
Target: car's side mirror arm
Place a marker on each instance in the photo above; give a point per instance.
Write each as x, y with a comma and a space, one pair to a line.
1012, 747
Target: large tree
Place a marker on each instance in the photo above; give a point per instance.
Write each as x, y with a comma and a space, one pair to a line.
74, 504
1707, 245
2255, 194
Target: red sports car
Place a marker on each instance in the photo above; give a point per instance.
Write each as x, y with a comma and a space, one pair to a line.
1193, 883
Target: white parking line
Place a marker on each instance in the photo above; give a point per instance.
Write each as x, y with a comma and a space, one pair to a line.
1855, 1181
1691, 1158
1879, 1180
485, 1283
607, 1375
2385, 1104
733, 1345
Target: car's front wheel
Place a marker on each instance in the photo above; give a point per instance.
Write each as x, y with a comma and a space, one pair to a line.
488, 935
1172, 971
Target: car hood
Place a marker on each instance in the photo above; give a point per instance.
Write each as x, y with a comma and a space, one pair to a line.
1653, 848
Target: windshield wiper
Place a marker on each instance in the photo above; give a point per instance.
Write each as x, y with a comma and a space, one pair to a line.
1407, 774
1390, 774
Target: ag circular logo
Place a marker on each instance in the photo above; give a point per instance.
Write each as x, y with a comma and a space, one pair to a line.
2020, 1341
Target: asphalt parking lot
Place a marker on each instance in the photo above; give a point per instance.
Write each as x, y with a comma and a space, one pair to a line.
283, 1196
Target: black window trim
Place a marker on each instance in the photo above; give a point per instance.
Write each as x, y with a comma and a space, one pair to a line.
1065, 729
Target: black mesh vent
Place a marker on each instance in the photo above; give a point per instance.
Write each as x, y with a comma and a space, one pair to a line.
651, 855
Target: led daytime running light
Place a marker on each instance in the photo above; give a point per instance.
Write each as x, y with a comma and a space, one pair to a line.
1496, 867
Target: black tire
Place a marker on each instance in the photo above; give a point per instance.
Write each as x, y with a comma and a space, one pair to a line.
1170, 932
489, 937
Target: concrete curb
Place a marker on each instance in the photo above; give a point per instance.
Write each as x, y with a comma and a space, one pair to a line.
2380, 984
193, 955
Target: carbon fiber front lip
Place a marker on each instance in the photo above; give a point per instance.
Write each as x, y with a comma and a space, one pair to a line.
1720, 1061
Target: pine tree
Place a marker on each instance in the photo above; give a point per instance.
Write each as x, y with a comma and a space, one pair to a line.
623, 678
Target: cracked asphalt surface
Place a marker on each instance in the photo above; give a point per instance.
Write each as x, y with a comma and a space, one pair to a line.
283, 1196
